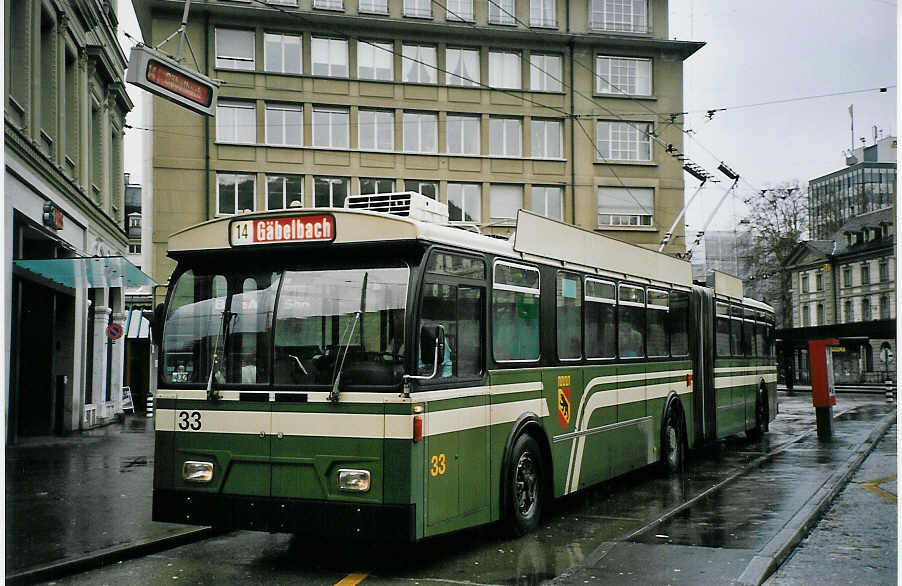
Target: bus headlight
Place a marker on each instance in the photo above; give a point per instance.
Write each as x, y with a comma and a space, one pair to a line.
354, 480
197, 471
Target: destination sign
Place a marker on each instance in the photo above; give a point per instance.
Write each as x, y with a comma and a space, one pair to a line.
318, 228
179, 83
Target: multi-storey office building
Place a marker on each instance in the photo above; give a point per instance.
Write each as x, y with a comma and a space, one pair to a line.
64, 109
489, 106
845, 288
867, 184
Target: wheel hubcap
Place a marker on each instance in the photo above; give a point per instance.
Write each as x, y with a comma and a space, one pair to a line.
526, 485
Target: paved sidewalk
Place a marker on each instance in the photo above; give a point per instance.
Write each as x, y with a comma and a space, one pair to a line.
855, 542
81, 497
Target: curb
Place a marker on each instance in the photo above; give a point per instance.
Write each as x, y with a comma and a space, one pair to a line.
109, 556
769, 558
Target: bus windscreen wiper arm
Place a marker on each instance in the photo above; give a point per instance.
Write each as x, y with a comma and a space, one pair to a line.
218, 360
336, 381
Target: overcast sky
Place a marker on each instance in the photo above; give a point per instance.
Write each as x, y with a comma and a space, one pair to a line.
757, 51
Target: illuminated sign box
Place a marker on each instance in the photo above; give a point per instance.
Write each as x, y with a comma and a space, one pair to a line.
155, 72
285, 230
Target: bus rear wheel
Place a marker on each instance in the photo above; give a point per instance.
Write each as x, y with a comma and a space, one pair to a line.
761, 417
673, 453
526, 486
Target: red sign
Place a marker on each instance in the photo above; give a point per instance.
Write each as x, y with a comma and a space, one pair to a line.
114, 331
319, 228
53, 216
166, 77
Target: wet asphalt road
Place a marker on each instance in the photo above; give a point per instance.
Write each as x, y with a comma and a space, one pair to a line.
606, 533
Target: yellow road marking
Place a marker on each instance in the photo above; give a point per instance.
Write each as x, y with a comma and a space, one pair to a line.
351, 580
873, 487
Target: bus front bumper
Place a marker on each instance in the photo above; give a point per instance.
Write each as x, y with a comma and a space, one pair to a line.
283, 515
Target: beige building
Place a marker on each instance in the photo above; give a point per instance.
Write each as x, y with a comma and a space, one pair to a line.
64, 112
489, 106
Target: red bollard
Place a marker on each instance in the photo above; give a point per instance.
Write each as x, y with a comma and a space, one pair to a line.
823, 390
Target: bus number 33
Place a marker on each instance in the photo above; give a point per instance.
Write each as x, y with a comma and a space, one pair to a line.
189, 420
438, 465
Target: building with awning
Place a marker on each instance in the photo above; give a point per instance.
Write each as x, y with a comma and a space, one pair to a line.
64, 218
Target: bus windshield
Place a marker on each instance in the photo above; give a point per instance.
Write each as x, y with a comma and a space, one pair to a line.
294, 327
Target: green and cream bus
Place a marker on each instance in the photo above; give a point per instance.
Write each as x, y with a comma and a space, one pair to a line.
356, 373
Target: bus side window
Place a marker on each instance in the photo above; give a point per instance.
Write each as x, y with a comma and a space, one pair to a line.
631, 319
657, 314
722, 335
568, 304
601, 319
515, 312
679, 323
736, 330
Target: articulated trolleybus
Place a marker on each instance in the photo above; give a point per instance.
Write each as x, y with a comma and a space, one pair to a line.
349, 372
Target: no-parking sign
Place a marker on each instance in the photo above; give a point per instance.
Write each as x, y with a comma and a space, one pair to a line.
114, 331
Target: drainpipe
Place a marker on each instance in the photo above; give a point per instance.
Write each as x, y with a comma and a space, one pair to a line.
572, 126
832, 259
207, 118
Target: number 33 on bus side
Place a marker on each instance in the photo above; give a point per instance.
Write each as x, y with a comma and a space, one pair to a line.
189, 420
438, 465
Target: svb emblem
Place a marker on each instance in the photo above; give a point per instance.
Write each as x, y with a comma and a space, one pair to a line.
563, 406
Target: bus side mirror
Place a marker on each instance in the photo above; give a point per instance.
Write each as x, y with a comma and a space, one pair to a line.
432, 343
156, 324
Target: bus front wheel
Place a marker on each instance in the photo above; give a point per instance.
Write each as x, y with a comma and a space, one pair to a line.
526, 486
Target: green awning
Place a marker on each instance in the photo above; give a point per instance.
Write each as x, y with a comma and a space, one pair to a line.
85, 273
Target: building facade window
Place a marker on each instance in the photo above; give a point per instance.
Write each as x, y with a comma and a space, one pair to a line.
283, 190
235, 49
806, 316
462, 66
866, 309
371, 185
235, 192
427, 188
884, 307
819, 281
373, 7
463, 135
504, 70
282, 53
329, 57
626, 206
866, 273
418, 8
420, 132
847, 311
547, 138
628, 16
548, 201
330, 192
283, 125
502, 12
328, 4
459, 10
505, 137
330, 128
804, 278
622, 76
464, 202
820, 314
623, 141
504, 201
418, 64
542, 13
884, 271
847, 276
236, 122
545, 73
375, 61
376, 130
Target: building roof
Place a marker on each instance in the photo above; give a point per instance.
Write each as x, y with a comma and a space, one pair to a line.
858, 224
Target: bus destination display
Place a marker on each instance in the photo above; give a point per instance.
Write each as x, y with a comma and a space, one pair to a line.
319, 228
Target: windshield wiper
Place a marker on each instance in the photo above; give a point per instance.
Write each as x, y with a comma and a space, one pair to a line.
219, 353
336, 381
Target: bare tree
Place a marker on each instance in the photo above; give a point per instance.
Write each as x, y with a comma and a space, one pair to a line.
777, 221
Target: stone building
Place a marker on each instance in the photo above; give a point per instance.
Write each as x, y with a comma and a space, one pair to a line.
845, 288
488, 106
64, 109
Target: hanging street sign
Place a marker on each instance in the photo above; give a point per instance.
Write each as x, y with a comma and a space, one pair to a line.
159, 74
